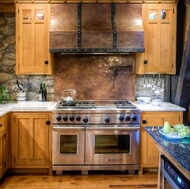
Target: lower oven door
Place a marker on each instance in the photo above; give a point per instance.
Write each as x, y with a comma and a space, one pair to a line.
68, 146
109, 146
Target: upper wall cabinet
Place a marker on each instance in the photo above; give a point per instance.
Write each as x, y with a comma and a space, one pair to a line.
7, 6
32, 29
160, 40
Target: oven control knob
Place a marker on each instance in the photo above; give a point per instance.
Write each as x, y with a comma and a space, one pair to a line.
134, 117
78, 118
107, 119
85, 119
65, 118
58, 118
127, 117
72, 118
121, 118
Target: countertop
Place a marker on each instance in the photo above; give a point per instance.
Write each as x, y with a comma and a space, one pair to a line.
50, 106
164, 106
27, 106
179, 149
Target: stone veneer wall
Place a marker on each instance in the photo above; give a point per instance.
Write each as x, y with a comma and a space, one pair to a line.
31, 82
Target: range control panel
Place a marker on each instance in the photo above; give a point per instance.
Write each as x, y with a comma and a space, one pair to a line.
96, 118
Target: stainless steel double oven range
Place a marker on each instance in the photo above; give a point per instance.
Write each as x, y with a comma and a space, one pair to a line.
96, 135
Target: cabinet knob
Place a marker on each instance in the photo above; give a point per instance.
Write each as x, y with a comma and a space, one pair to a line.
48, 122
145, 61
1, 125
144, 121
46, 62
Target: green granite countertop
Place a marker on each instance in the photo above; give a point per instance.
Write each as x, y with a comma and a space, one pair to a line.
179, 149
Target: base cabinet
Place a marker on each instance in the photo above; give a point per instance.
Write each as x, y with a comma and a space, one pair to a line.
3, 146
149, 156
31, 140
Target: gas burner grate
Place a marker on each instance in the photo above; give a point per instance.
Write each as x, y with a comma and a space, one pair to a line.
124, 104
85, 104
76, 104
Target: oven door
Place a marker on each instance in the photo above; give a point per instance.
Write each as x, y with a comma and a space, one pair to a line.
108, 146
68, 146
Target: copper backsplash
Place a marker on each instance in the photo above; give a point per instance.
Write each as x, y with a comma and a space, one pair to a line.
92, 77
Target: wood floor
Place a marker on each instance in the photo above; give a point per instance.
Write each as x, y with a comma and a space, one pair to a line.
74, 180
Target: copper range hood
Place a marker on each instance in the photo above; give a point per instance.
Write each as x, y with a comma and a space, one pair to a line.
96, 28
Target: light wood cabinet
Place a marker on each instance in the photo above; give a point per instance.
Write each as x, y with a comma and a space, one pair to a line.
32, 1
31, 140
32, 39
3, 146
7, 6
160, 40
149, 155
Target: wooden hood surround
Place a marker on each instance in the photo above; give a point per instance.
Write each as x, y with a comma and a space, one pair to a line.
96, 28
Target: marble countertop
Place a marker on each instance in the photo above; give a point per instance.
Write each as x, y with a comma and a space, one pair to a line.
27, 106
179, 149
164, 106
50, 106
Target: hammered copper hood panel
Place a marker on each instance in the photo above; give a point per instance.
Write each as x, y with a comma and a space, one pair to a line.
96, 28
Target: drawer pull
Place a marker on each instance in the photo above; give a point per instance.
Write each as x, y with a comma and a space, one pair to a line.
1, 125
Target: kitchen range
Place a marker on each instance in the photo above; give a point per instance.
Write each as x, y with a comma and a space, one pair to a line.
96, 135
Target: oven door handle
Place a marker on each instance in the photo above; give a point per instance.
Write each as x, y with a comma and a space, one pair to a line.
114, 128
67, 128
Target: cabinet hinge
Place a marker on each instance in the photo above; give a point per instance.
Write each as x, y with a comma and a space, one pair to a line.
173, 10
18, 11
14, 159
5, 135
5, 164
14, 119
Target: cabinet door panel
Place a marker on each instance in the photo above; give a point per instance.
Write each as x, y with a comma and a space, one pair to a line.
149, 155
23, 139
160, 39
32, 46
31, 140
3, 146
40, 143
2, 155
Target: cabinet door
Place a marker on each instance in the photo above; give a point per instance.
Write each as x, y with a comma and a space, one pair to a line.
2, 154
33, 55
31, 139
3, 146
160, 40
7, 6
149, 153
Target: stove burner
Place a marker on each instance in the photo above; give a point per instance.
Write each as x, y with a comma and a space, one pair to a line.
85, 104
77, 104
124, 104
